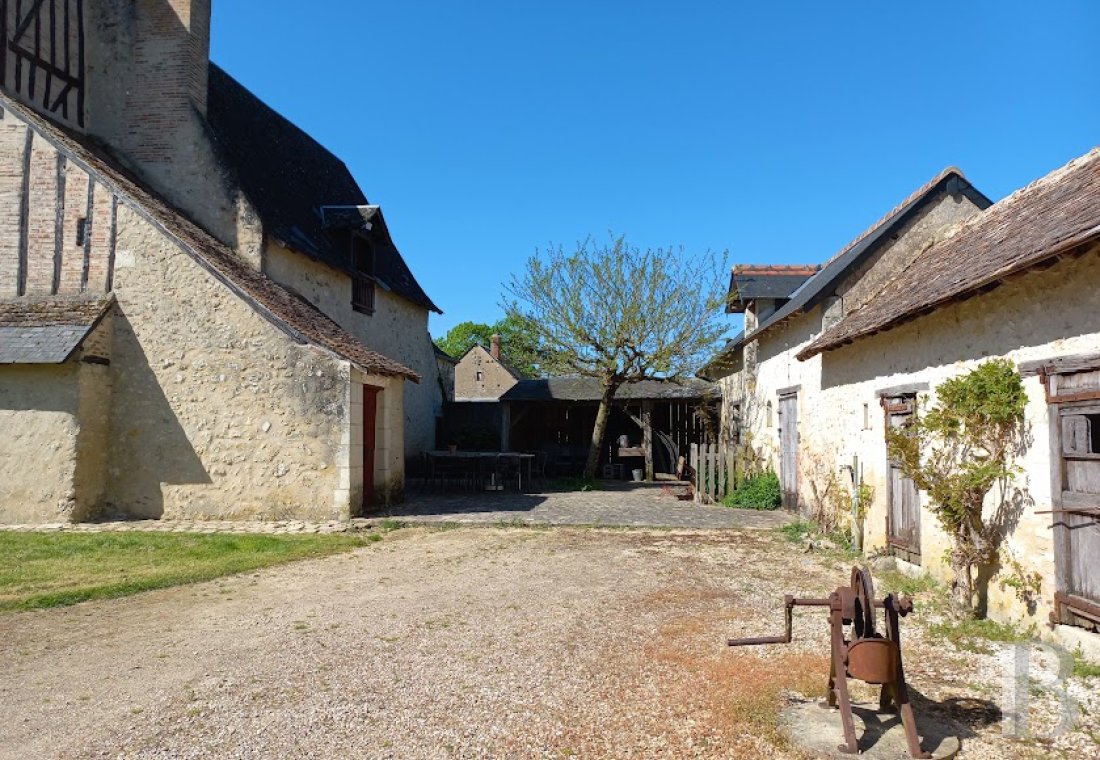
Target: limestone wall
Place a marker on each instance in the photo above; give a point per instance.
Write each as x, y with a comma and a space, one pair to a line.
216, 412
38, 420
1015, 321
397, 329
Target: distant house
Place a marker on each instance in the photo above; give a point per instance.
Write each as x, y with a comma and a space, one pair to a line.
484, 375
201, 314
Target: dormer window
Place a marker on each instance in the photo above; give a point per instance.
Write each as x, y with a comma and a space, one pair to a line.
362, 281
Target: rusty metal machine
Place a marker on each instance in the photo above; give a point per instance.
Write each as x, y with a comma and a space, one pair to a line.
866, 655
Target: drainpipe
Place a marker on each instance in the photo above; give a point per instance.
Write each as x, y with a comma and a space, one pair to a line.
853, 472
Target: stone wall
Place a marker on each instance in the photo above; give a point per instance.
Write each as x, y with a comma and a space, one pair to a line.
494, 380
38, 439
218, 413
398, 329
1015, 321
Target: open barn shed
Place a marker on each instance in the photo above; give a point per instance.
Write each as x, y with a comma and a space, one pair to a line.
651, 424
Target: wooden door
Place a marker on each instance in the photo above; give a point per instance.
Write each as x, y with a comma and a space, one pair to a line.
370, 420
903, 499
788, 449
1077, 524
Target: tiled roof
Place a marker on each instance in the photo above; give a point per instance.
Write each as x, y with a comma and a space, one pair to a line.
294, 315
288, 176
1048, 217
591, 389
47, 330
823, 283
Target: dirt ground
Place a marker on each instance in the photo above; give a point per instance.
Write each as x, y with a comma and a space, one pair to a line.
471, 643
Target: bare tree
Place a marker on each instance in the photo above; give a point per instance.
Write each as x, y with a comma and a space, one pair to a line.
621, 314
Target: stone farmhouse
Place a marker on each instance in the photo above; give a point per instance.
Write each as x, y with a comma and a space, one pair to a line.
482, 375
201, 314
1017, 280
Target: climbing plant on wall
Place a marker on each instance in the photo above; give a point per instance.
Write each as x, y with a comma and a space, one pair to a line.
957, 450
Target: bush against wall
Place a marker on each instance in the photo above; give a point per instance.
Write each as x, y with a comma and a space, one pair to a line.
957, 450
757, 492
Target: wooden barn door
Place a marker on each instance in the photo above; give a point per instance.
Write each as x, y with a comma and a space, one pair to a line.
1077, 519
788, 449
903, 499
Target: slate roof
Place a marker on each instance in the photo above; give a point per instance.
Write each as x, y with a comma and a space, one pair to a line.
590, 389
1047, 218
824, 282
47, 330
748, 282
295, 316
288, 176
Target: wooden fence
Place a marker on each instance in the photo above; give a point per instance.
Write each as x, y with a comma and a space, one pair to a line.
714, 471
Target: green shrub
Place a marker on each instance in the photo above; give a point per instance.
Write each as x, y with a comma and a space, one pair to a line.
758, 492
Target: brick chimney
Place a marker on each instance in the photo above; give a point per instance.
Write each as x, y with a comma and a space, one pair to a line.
494, 347
147, 63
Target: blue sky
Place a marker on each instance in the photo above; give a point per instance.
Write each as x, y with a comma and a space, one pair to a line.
776, 131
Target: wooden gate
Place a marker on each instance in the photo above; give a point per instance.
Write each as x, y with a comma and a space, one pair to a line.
788, 449
903, 499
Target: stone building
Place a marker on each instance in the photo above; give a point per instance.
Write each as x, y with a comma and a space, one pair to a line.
768, 395
1016, 280
482, 375
200, 312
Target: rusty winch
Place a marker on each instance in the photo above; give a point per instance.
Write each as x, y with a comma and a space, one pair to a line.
867, 656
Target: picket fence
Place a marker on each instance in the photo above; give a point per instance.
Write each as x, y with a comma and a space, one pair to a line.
714, 471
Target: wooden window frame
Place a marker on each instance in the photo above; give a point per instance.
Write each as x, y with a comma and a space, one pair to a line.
363, 281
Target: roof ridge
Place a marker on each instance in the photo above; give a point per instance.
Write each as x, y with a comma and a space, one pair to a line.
913, 196
849, 328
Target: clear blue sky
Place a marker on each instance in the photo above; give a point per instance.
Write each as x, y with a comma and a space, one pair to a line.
778, 131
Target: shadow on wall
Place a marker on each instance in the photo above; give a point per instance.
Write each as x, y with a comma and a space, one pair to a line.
1020, 313
149, 445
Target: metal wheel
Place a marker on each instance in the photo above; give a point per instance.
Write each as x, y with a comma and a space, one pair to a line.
864, 590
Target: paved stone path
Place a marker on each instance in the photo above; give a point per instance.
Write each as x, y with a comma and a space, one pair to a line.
648, 505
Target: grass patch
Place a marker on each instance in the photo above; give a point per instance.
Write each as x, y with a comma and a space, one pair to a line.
1082, 668
576, 484
893, 581
39, 570
975, 635
797, 531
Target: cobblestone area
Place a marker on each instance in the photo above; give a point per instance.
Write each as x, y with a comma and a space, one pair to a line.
643, 505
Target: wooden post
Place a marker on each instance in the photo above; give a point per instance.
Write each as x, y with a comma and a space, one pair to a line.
505, 426
693, 460
647, 437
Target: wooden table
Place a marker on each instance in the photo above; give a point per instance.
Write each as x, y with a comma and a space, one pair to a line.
478, 457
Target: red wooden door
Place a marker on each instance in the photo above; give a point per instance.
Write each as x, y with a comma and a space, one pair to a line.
370, 418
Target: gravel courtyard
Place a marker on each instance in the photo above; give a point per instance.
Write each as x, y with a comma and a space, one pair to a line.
464, 643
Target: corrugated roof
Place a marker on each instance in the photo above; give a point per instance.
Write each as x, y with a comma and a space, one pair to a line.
591, 389
291, 313
288, 176
822, 284
1050, 216
47, 330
